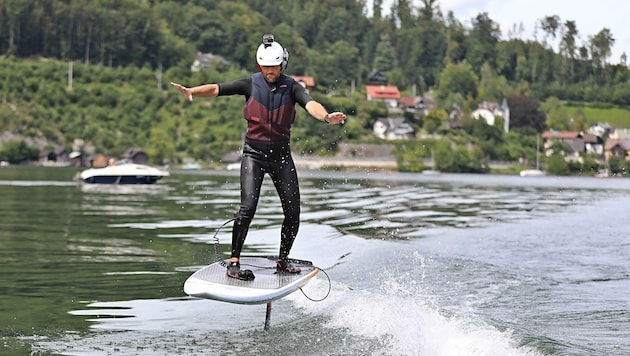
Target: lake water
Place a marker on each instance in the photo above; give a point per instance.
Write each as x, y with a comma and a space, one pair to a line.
419, 265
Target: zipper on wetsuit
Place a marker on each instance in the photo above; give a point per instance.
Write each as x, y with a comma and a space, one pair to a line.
272, 88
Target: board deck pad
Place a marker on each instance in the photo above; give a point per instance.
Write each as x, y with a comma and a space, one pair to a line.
211, 282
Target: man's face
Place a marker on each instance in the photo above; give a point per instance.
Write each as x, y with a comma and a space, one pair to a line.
271, 73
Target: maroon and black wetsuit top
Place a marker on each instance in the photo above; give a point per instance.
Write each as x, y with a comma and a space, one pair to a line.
270, 111
270, 107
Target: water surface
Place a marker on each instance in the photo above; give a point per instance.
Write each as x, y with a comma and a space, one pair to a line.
420, 265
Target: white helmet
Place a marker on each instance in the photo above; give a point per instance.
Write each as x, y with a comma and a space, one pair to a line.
271, 53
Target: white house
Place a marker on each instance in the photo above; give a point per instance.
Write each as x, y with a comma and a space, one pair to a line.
204, 60
489, 112
393, 129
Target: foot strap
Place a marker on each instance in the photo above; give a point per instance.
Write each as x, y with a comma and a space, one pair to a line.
287, 266
234, 271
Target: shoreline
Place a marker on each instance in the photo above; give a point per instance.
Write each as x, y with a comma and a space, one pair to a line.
315, 162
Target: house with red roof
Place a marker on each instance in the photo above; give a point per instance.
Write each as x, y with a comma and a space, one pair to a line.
306, 81
417, 104
577, 142
389, 94
617, 147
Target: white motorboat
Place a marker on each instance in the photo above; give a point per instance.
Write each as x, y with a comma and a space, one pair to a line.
532, 173
123, 173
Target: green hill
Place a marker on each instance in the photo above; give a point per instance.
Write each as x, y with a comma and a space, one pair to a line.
125, 52
616, 117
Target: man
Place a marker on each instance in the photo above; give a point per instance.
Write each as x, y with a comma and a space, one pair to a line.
269, 109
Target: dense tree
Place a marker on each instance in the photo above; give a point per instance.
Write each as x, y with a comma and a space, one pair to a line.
456, 38
484, 37
551, 25
557, 165
455, 158
385, 56
568, 46
525, 113
167, 33
15, 151
432, 44
334, 64
457, 79
124, 51
600, 46
492, 87
557, 114
621, 94
434, 120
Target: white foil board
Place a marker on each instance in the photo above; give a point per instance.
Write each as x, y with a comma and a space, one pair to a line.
210, 282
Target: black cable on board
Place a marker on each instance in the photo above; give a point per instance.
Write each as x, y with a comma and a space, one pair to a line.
327, 293
218, 254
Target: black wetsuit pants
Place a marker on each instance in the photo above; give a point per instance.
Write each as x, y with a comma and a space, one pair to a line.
276, 161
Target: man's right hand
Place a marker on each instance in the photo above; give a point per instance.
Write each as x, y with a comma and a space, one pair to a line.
182, 89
